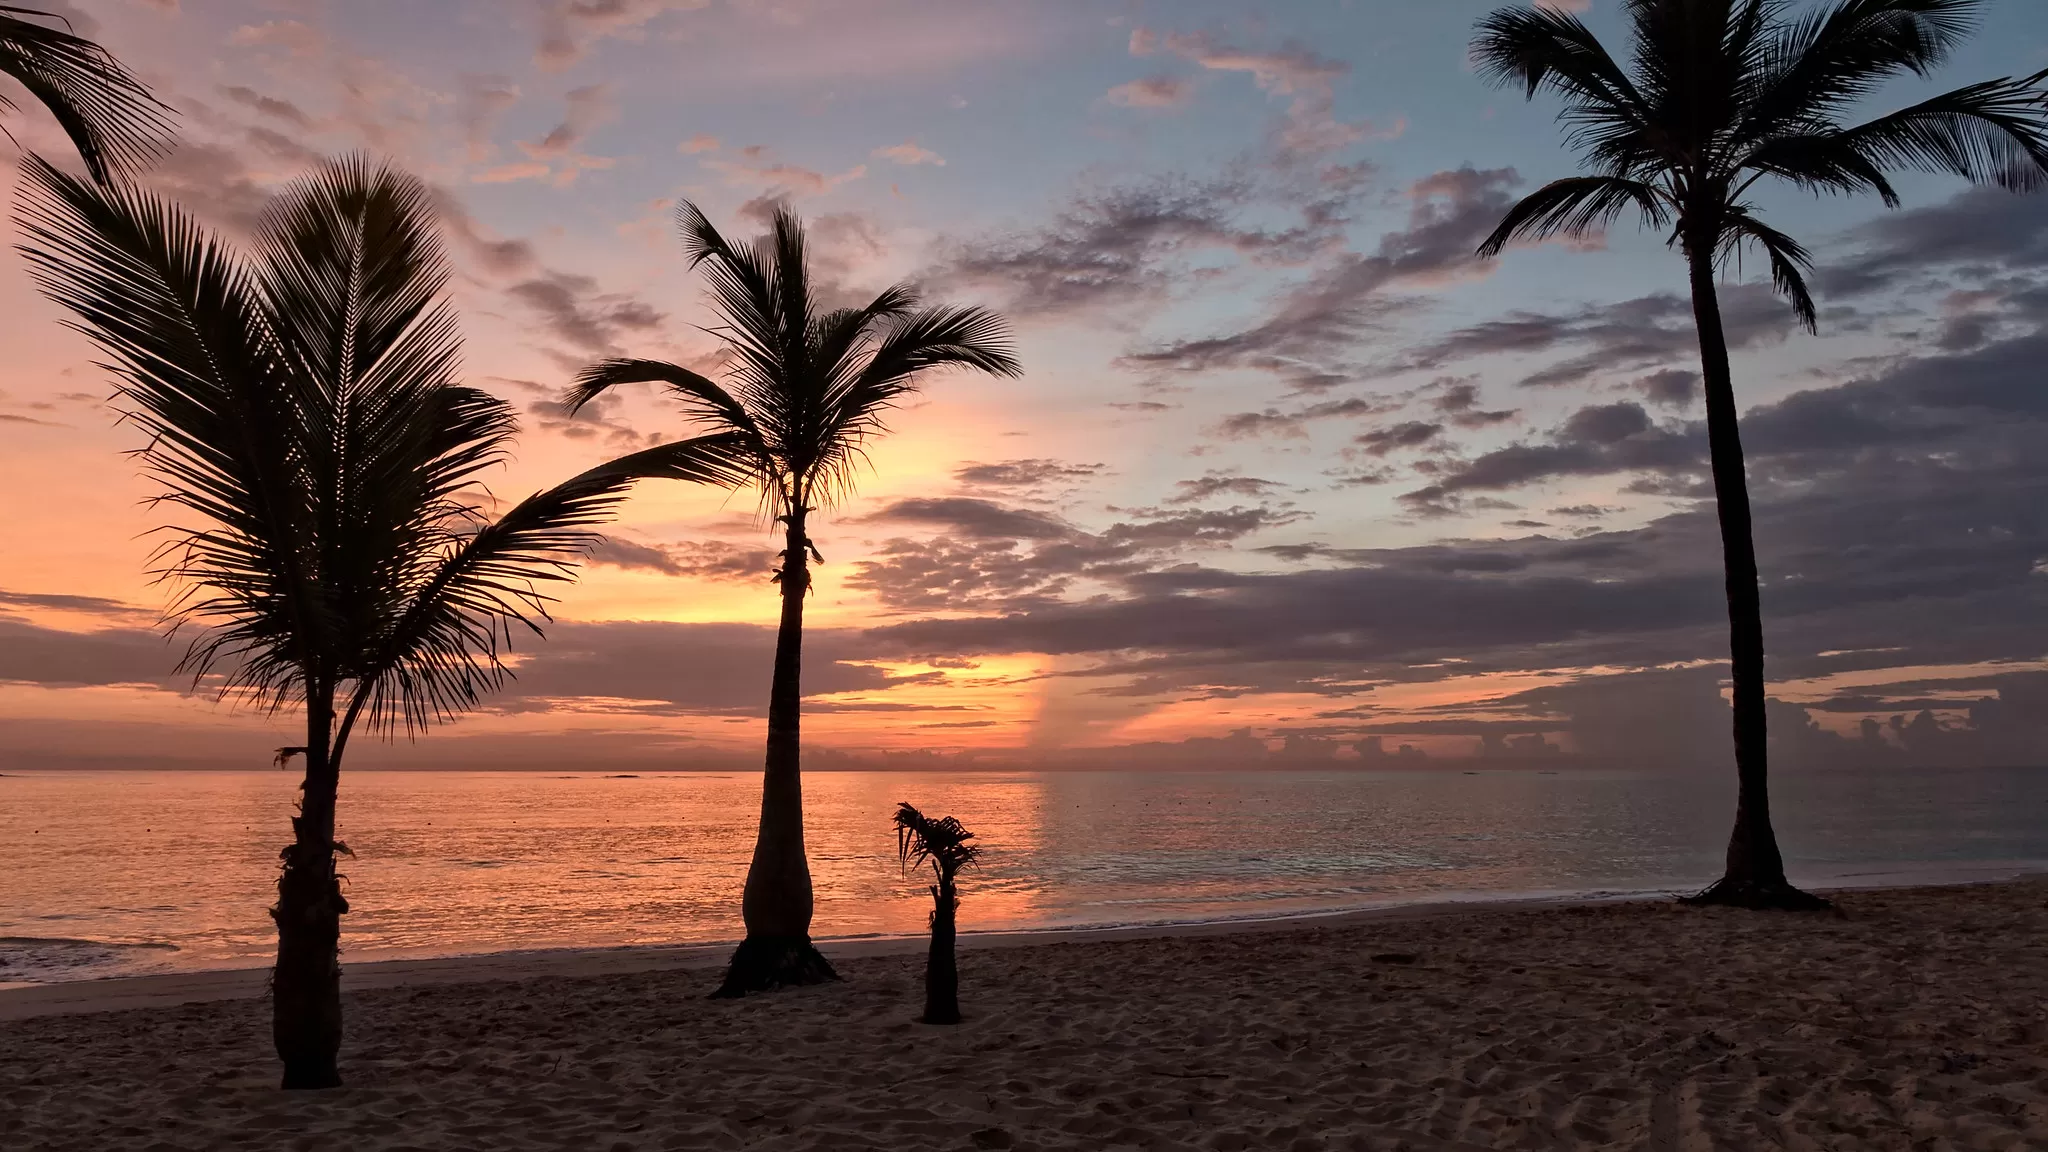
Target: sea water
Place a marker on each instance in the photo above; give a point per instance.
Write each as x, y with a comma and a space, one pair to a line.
121, 873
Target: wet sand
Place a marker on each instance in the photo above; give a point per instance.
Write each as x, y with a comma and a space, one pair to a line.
1917, 1019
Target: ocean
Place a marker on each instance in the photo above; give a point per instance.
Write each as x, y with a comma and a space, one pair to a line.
125, 873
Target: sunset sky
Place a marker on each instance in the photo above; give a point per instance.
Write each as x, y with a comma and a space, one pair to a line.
1291, 477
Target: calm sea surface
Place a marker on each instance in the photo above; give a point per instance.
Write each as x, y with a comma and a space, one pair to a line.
116, 873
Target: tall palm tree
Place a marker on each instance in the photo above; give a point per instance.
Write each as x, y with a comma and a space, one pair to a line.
943, 844
807, 389
112, 119
1718, 96
323, 466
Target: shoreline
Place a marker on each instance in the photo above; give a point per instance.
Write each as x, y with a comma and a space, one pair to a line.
170, 989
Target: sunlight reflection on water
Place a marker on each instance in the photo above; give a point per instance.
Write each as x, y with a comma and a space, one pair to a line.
96, 865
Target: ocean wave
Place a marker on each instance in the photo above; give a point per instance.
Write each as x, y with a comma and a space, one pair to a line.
45, 960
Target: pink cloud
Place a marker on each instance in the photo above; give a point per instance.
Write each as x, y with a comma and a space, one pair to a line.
570, 27
911, 154
1152, 92
1307, 79
753, 168
299, 39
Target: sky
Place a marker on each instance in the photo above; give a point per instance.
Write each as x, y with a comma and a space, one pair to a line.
1291, 478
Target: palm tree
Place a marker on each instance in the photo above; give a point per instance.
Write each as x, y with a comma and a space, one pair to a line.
807, 390
305, 425
1719, 96
112, 119
944, 845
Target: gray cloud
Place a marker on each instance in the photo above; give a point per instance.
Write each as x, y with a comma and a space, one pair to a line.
974, 519
1215, 484
1632, 336
1313, 328
1898, 521
1115, 247
1458, 401
1394, 437
705, 560
977, 561
586, 107
1979, 235
51, 658
272, 106
1294, 422
1597, 440
1026, 479
577, 311
684, 668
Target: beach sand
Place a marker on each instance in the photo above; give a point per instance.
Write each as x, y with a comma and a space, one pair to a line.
1916, 1020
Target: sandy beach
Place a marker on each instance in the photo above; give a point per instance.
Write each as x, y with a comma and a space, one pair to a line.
1918, 1019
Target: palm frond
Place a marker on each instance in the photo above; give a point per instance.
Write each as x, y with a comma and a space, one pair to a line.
1538, 48
839, 338
1681, 64
942, 843
1825, 61
113, 120
1576, 207
181, 319
1790, 261
304, 413
1819, 163
853, 408
805, 387
354, 277
446, 648
1534, 48
747, 298
702, 398
1995, 132
791, 254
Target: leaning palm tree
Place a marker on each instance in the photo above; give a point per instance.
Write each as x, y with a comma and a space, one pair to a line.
943, 844
323, 465
112, 119
806, 391
1720, 95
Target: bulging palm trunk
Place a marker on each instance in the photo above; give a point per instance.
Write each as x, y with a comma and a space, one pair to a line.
776, 904
305, 985
1754, 876
941, 969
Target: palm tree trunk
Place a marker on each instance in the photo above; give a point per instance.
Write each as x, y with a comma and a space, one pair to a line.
776, 904
305, 986
1755, 872
941, 969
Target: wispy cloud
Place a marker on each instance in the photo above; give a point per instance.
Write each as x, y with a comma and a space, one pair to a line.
909, 153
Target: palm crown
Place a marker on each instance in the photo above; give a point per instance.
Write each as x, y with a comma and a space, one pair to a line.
807, 388
1721, 94
112, 119
942, 843
302, 407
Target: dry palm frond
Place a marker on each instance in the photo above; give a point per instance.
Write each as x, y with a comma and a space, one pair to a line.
942, 843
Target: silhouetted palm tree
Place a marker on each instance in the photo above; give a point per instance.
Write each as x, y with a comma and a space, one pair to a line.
112, 119
806, 391
302, 411
1718, 96
944, 845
